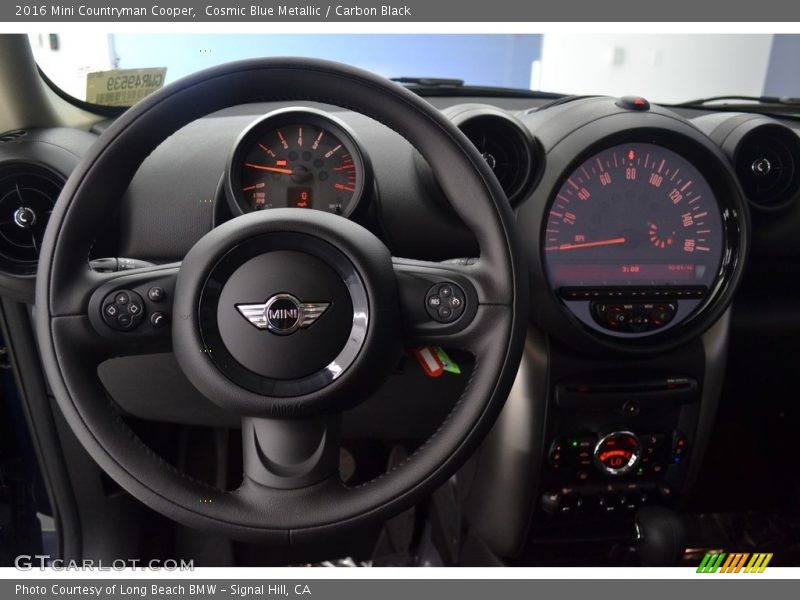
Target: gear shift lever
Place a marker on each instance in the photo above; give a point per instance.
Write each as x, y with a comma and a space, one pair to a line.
660, 537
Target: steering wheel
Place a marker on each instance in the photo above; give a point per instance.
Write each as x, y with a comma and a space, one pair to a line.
330, 311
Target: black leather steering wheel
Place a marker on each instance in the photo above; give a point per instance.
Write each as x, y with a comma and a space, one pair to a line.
290, 401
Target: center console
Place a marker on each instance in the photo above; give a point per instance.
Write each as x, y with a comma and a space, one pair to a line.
616, 444
584, 443
635, 237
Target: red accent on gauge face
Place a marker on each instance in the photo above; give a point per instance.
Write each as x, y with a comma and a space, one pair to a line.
633, 204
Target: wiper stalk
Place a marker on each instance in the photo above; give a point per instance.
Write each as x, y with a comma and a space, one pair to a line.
440, 86
774, 100
430, 81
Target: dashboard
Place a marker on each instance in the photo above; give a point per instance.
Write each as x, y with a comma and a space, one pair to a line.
638, 222
634, 219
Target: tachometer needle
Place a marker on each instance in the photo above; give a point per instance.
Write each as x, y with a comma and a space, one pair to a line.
609, 242
271, 169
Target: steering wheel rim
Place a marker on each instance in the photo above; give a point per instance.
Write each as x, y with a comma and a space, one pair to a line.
66, 306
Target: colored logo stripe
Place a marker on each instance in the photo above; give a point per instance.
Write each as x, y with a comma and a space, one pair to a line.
734, 563
758, 563
711, 563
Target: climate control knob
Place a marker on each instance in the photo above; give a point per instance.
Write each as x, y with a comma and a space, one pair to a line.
617, 453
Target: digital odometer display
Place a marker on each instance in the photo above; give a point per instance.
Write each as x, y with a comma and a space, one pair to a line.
634, 214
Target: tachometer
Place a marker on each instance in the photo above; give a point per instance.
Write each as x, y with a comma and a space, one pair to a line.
298, 158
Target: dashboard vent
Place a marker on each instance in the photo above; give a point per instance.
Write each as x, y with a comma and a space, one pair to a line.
766, 163
27, 196
12, 135
508, 149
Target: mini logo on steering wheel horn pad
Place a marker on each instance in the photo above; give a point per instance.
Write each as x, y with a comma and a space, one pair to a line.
283, 314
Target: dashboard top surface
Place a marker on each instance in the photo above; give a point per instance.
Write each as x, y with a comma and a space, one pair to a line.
178, 193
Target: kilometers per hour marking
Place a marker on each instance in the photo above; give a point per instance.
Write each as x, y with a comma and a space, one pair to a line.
612, 177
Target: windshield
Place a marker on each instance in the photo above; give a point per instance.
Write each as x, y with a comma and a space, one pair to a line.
121, 69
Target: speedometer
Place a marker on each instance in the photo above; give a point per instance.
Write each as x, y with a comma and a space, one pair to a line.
639, 226
297, 158
634, 214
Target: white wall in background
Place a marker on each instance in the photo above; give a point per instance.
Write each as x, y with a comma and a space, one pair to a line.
666, 68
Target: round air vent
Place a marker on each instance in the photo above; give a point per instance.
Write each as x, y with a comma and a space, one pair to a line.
766, 162
505, 145
27, 196
764, 152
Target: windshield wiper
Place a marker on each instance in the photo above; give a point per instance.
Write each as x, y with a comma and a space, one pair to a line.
439, 86
429, 81
772, 101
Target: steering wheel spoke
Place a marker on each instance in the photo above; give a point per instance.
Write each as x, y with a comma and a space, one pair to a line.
130, 312
443, 304
290, 453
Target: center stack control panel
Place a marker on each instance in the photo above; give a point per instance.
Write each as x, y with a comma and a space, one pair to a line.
613, 447
614, 471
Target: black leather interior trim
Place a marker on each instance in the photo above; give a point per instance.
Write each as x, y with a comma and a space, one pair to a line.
254, 512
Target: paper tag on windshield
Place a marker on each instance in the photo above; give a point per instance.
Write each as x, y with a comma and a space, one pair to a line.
123, 87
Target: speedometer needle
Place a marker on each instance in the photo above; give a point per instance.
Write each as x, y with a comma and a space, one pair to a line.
271, 169
609, 242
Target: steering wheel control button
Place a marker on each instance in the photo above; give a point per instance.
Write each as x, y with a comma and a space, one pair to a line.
158, 319
445, 302
156, 294
633, 103
123, 310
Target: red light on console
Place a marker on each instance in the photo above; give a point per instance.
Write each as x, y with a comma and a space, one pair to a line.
631, 155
